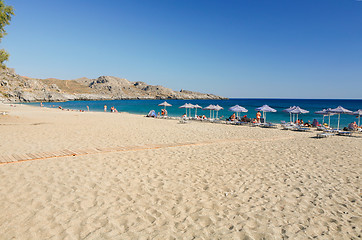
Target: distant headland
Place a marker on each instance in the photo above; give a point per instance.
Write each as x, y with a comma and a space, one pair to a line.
16, 88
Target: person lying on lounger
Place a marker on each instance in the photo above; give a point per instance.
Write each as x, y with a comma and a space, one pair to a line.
352, 126
232, 117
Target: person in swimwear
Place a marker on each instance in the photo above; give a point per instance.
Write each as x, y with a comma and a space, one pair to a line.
258, 116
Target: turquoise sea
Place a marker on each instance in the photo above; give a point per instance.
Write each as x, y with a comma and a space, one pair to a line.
144, 106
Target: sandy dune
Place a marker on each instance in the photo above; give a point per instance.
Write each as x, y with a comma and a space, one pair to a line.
164, 180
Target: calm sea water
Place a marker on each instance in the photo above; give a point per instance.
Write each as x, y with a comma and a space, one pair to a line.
144, 106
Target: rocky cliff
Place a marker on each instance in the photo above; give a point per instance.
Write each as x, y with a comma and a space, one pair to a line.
15, 88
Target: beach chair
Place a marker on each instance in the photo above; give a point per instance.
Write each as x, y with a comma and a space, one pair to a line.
344, 133
322, 128
255, 124
302, 129
288, 126
242, 123
269, 125
183, 121
324, 135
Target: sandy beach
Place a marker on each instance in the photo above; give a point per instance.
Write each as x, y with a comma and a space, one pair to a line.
93, 175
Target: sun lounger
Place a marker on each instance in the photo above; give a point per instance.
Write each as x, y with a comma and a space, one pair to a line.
288, 126
215, 120
240, 123
302, 129
323, 128
344, 133
324, 135
269, 125
182, 121
331, 130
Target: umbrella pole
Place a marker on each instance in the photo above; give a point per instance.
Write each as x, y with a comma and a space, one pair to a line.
195, 112
323, 119
329, 121
339, 115
264, 117
290, 117
359, 120
210, 114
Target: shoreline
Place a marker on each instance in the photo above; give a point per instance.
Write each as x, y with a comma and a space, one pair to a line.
176, 113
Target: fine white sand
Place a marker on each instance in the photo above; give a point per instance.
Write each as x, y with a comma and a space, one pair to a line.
142, 178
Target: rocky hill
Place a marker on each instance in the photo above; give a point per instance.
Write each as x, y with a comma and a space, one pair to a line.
16, 88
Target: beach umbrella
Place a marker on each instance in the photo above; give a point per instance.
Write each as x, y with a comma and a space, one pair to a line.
340, 110
218, 108
322, 112
264, 109
326, 112
165, 104
196, 106
297, 110
210, 107
359, 113
187, 106
184, 106
288, 111
237, 109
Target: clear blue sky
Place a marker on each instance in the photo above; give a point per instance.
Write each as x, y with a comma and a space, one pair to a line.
233, 48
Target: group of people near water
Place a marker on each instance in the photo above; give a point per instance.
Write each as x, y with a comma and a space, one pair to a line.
245, 118
113, 109
163, 112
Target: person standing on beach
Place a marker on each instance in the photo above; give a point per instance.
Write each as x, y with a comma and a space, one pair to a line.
258, 116
105, 108
88, 108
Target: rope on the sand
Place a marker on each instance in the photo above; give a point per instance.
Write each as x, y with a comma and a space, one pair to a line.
17, 158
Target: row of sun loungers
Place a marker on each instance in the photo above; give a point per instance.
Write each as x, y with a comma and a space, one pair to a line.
333, 132
295, 127
327, 132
